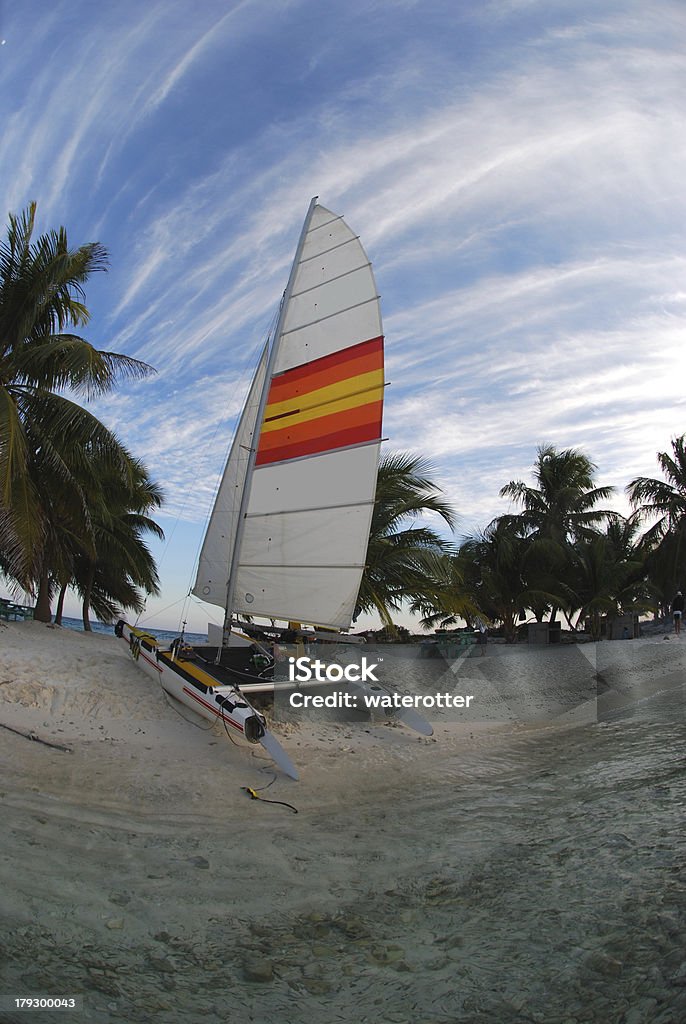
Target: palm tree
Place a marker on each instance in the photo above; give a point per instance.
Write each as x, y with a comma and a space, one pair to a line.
453, 596
495, 571
46, 439
557, 512
607, 574
665, 502
402, 562
109, 570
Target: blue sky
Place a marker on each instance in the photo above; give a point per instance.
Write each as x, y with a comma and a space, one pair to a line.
515, 170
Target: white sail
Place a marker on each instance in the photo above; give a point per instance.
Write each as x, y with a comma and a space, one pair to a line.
217, 550
305, 514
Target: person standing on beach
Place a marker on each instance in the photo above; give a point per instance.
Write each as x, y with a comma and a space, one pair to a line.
482, 639
678, 611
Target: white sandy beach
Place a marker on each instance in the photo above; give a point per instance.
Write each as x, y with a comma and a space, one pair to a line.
510, 868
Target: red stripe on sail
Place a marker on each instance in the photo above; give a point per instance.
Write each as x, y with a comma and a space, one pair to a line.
326, 433
342, 356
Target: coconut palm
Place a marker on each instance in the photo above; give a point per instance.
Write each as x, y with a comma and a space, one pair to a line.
557, 512
496, 574
68, 476
402, 563
561, 507
113, 564
46, 438
607, 574
665, 502
452, 598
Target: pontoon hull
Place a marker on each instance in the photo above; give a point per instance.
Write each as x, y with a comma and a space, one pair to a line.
192, 682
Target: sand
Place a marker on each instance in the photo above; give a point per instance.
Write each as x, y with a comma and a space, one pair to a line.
525, 865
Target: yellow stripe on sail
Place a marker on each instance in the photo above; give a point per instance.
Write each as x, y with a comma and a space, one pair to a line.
347, 394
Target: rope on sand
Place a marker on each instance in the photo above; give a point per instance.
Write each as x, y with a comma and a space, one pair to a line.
255, 795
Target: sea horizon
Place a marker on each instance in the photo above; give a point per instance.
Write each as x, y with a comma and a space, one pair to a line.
69, 622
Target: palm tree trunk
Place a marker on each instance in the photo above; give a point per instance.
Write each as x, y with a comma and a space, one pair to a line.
42, 611
510, 627
60, 605
88, 586
595, 626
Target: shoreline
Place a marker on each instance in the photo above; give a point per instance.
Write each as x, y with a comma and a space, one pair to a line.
83, 691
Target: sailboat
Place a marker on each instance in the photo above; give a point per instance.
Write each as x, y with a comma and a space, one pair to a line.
288, 533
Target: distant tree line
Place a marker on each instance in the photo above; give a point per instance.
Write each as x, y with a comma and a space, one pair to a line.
563, 554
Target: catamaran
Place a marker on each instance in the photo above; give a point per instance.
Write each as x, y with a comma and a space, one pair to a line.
288, 533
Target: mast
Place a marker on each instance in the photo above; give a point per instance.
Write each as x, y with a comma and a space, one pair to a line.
245, 497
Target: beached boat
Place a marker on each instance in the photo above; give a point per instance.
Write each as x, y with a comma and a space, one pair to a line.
288, 533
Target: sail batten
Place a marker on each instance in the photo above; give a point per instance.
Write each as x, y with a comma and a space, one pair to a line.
334, 217
325, 252
317, 436
338, 277
310, 508
321, 319
305, 565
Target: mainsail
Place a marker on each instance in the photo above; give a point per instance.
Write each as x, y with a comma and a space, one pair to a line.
288, 535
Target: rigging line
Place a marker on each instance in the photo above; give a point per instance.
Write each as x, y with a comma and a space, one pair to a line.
223, 720
191, 597
265, 767
203, 728
160, 612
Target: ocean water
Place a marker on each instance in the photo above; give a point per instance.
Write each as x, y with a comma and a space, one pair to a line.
162, 634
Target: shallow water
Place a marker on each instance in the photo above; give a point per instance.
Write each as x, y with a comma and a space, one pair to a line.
542, 879
549, 885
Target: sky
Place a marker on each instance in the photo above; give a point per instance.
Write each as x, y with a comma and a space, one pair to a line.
515, 170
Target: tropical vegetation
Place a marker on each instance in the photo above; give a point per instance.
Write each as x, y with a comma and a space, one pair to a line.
405, 560
74, 502
564, 554
663, 502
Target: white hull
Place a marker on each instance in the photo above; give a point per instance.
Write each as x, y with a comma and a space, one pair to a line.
192, 684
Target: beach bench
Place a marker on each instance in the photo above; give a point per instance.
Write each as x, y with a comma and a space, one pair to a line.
10, 610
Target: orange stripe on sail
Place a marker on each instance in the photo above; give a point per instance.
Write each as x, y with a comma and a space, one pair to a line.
325, 433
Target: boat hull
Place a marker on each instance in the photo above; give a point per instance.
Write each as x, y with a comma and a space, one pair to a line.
191, 681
